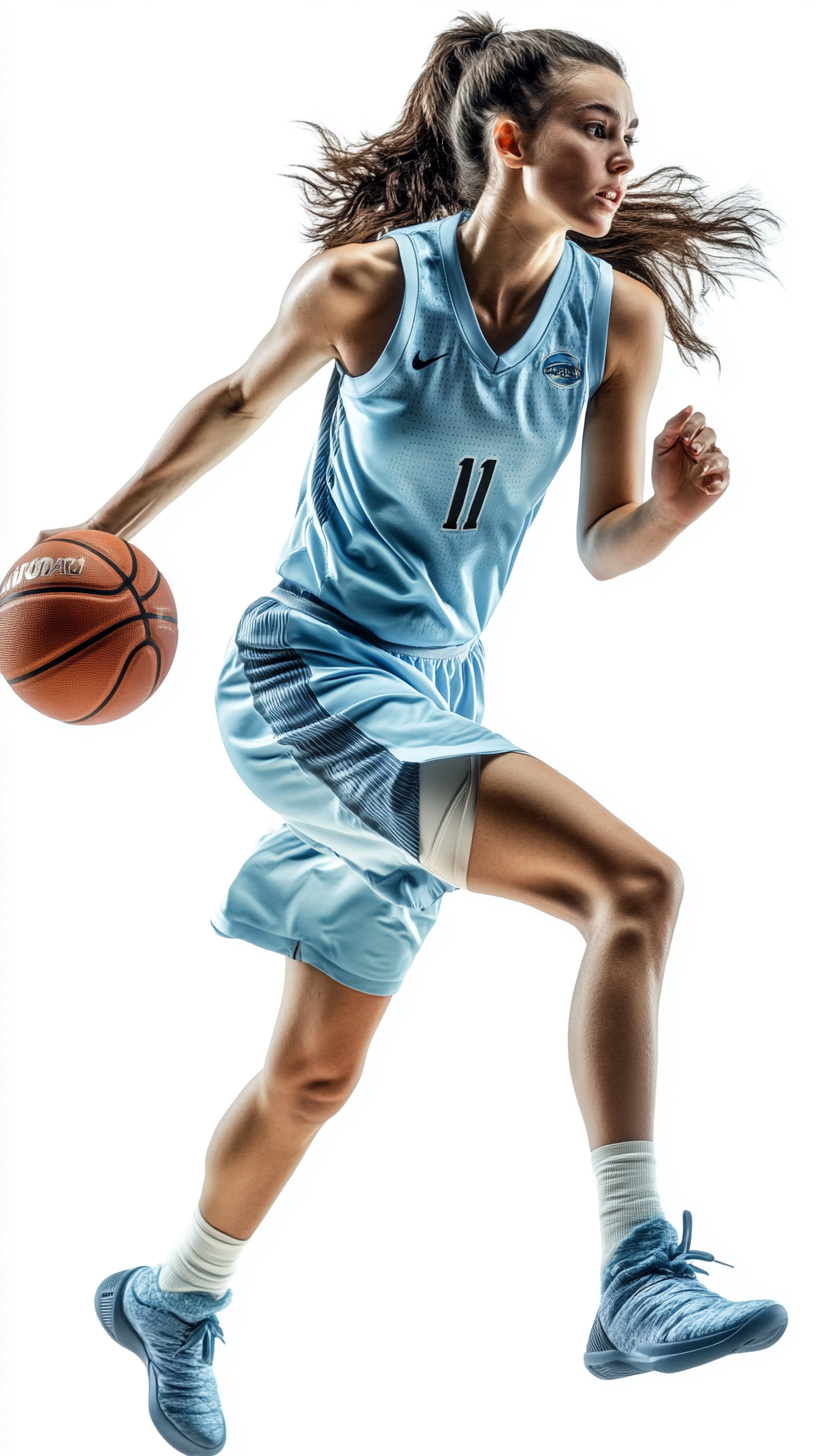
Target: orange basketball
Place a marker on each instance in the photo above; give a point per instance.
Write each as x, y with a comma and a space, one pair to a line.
88, 627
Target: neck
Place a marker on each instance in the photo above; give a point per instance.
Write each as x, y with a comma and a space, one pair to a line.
508, 254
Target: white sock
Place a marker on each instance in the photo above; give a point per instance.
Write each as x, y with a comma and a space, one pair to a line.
627, 1191
204, 1261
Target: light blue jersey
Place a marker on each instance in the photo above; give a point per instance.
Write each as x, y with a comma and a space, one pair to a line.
429, 469
353, 692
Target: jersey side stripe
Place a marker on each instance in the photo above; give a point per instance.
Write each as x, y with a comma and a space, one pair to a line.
321, 482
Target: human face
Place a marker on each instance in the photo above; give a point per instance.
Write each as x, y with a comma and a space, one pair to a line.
579, 161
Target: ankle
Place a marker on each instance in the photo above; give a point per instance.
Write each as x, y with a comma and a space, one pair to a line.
202, 1262
627, 1191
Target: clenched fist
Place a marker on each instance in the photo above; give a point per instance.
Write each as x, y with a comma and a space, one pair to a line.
689, 471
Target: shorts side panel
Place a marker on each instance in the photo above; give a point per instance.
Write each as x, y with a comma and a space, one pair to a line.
308, 804
364, 775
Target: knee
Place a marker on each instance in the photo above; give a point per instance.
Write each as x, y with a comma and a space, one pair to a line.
312, 1088
645, 894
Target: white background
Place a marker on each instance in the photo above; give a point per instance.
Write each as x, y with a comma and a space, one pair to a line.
428, 1278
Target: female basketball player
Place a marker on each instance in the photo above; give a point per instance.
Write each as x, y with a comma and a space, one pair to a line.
467, 330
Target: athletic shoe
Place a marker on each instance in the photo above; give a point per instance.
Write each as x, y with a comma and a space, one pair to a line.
174, 1336
655, 1314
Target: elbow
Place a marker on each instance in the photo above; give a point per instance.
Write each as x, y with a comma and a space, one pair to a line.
600, 573
233, 399
599, 569
240, 398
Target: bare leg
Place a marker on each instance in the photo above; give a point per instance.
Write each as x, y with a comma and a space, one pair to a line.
539, 839
542, 840
314, 1062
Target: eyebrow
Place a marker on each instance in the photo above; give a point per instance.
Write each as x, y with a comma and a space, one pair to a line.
608, 110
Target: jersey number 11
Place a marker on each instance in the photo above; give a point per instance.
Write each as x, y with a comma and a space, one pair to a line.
460, 491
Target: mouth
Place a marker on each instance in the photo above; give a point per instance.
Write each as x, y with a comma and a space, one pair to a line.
610, 197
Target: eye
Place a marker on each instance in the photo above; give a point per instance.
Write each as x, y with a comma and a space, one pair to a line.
598, 130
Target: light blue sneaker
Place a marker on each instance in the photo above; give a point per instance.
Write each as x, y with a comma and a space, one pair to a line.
655, 1314
174, 1335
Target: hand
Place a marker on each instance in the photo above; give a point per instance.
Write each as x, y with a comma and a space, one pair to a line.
62, 531
689, 472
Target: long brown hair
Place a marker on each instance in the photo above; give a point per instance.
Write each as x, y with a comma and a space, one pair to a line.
435, 161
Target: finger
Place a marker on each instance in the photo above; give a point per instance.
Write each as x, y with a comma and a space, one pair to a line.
56, 531
672, 429
711, 461
702, 441
714, 484
714, 475
694, 424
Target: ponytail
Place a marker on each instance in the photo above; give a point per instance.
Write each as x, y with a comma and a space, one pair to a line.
407, 175
435, 161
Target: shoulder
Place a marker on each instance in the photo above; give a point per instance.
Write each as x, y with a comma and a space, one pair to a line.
635, 307
355, 281
366, 268
348, 299
637, 321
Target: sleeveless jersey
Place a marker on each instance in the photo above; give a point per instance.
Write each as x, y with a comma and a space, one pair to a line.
429, 469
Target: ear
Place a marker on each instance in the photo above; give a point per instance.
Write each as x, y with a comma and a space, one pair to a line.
508, 143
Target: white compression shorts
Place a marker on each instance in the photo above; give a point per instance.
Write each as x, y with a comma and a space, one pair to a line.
448, 798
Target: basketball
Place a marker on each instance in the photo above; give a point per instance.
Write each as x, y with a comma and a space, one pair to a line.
88, 627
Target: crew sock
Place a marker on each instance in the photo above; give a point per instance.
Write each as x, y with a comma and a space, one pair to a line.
627, 1191
203, 1262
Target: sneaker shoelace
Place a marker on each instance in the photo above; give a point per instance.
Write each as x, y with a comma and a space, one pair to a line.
683, 1253
206, 1331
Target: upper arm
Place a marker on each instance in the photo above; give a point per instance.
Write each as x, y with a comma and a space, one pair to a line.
613, 452
341, 305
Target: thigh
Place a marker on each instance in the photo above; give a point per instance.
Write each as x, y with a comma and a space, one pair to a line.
323, 1028
541, 839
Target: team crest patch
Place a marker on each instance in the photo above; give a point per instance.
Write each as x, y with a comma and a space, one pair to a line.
562, 369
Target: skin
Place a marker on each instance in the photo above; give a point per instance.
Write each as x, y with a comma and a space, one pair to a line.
538, 837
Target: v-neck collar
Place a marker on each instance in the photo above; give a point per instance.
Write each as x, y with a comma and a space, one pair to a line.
465, 311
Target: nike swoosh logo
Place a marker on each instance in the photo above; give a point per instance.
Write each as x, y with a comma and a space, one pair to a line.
420, 363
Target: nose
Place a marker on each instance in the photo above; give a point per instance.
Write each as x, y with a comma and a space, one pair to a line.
621, 164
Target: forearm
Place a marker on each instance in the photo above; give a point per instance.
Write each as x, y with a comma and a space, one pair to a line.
208, 429
627, 538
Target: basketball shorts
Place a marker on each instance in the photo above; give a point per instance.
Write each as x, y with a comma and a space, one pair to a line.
371, 756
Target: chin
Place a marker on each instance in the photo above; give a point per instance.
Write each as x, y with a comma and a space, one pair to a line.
589, 229
593, 227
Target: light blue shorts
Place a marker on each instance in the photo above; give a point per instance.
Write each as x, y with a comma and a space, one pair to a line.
331, 729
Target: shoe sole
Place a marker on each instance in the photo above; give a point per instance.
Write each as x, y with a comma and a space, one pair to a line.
756, 1333
110, 1310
